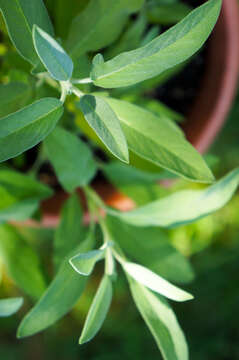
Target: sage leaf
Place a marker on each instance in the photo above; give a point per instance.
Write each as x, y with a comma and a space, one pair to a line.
71, 158
166, 51
12, 97
60, 297
20, 195
98, 310
10, 306
157, 141
25, 128
184, 206
130, 39
161, 322
156, 253
167, 14
105, 123
21, 262
84, 263
90, 29
70, 228
20, 16
52, 55
155, 282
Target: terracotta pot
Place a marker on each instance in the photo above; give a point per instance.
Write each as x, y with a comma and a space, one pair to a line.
208, 112
219, 84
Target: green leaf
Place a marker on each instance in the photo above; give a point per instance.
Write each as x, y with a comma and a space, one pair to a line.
63, 14
90, 29
20, 195
20, 16
12, 97
71, 158
22, 263
70, 228
169, 49
98, 310
85, 263
25, 128
151, 34
122, 175
130, 39
60, 297
161, 321
10, 306
168, 14
52, 55
105, 123
157, 141
155, 282
151, 247
184, 206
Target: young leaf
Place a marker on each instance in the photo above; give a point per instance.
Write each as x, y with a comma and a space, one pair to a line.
22, 263
25, 128
98, 310
90, 29
150, 246
20, 195
84, 263
59, 298
52, 55
157, 141
155, 282
12, 97
71, 158
184, 206
105, 123
161, 321
10, 306
70, 228
169, 49
20, 16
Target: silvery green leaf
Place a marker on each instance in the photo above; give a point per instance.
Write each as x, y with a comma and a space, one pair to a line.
166, 51
12, 96
20, 16
99, 24
70, 227
52, 55
84, 263
155, 282
98, 310
184, 206
71, 158
25, 128
161, 322
156, 253
103, 120
21, 262
62, 294
159, 141
10, 306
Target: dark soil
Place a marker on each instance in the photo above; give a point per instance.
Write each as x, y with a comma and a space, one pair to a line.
181, 90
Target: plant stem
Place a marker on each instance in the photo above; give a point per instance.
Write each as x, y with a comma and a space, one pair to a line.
82, 81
